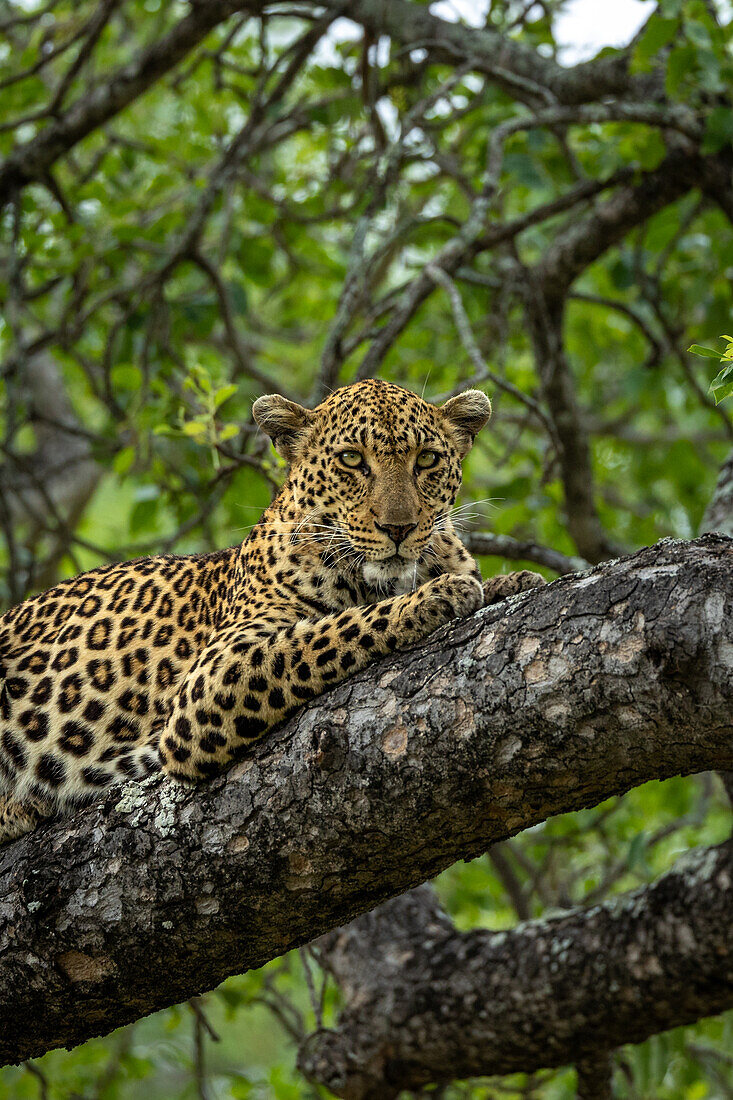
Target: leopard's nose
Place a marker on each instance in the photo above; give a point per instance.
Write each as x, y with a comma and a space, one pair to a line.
398, 532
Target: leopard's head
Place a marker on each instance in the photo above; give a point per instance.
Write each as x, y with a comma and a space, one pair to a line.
376, 466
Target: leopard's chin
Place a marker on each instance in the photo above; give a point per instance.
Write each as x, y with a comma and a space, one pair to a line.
396, 571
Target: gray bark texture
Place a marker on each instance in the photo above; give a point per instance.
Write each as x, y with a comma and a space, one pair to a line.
427, 1004
549, 702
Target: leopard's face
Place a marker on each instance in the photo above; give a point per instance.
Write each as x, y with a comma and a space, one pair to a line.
375, 469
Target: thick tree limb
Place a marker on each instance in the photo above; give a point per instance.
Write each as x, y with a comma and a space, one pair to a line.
410, 979
506, 61
400, 1003
437, 1004
719, 517
544, 288
586, 238
546, 703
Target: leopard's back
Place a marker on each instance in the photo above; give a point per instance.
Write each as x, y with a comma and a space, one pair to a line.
89, 668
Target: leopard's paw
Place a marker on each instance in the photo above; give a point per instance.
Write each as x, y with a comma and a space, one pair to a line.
508, 584
447, 597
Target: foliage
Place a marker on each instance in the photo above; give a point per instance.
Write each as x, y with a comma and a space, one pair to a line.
722, 385
250, 224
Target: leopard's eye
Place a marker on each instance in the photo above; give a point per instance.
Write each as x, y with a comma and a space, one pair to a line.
352, 459
427, 459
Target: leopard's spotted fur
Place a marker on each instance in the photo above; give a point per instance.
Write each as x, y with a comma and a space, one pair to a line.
185, 661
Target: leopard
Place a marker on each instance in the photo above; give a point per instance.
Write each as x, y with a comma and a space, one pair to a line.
180, 663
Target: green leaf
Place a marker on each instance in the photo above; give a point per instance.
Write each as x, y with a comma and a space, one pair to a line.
681, 65
198, 379
124, 460
622, 273
126, 376
651, 151
228, 432
143, 516
657, 33
224, 394
194, 428
637, 854
722, 385
708, 353
238, 296
670, 7
718, 130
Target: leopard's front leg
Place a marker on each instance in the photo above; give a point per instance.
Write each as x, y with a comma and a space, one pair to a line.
251, 677
451, 556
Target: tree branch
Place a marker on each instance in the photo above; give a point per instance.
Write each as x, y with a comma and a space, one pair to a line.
508, 62
504, 546
401, 999
549, 702
545, 321
442, 1004
586, 238
31, 160
719, 512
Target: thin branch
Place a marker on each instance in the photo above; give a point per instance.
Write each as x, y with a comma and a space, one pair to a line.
503, 546
503, 58
32, 159
484, 371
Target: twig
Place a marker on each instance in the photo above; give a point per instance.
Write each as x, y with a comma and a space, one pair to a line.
503, 546
463, 326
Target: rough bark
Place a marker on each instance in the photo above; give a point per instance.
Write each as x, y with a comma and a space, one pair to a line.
586, 238
369, 1047
509, 63
545, 322
438, 1004
545, 287
549, 702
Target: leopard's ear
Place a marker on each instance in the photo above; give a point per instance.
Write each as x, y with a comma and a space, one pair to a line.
284, 421
466, 414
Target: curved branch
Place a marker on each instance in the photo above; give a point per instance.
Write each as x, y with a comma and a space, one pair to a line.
584, 239
546, 703
442, 1004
